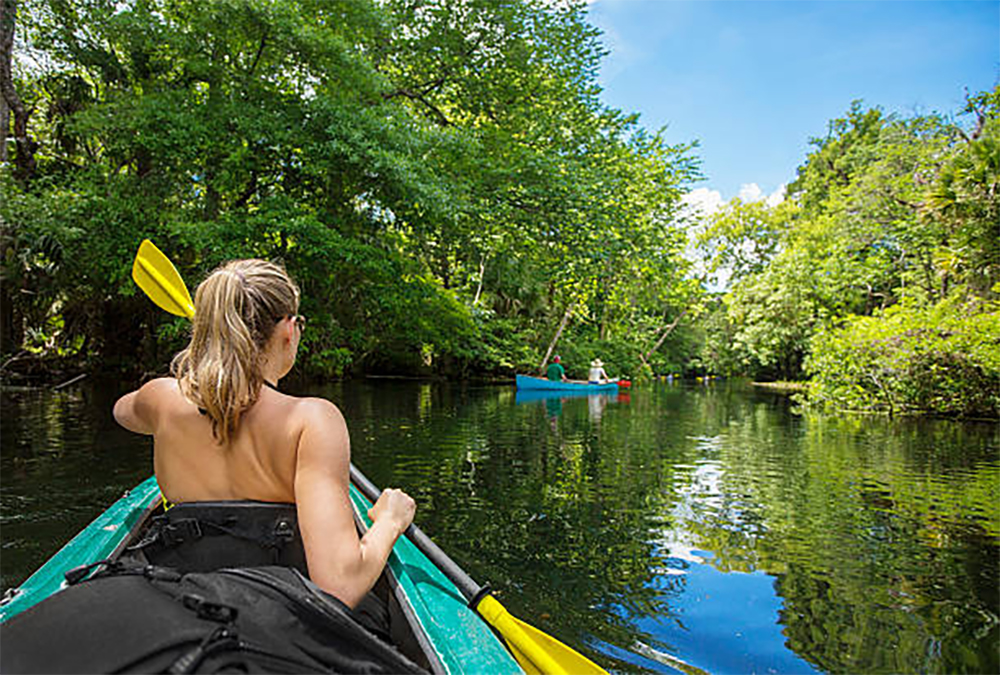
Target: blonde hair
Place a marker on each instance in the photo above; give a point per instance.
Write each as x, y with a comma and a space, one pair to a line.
236, 310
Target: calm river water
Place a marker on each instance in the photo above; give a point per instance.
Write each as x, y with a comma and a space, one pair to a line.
672, 529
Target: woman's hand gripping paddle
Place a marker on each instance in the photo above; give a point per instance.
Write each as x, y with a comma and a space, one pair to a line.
536, 652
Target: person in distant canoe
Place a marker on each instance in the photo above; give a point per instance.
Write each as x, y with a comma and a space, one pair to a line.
556, 372
222, 431
597, 374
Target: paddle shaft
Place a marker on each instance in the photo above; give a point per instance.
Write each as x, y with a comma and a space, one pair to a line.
469, 588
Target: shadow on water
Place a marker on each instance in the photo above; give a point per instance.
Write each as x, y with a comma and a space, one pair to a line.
672, 529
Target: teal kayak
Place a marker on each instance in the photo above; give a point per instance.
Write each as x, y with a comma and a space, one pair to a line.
453, 639
529, 383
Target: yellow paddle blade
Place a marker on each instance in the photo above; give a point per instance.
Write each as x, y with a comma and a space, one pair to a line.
535, 651
158, 278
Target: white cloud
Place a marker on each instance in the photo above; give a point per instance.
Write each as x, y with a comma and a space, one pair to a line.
777, 196
751, 192
704, 201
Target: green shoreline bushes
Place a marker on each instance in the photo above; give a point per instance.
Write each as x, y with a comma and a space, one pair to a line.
906, 359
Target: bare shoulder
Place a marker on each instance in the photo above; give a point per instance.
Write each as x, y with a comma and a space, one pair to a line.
323, 435
319, 419
318, 411
141, 410
161, 386
163, 393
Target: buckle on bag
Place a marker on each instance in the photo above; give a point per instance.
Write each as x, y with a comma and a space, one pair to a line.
283, 531
206, 609
180, 530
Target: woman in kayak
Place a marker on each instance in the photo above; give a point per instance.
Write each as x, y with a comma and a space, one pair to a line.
222, 431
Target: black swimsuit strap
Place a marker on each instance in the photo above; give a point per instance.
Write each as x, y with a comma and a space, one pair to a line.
266, 384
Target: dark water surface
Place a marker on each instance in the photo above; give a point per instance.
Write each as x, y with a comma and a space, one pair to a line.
675, 528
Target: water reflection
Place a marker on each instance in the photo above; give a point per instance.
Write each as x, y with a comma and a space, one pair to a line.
63, 459
678, 528
554, 403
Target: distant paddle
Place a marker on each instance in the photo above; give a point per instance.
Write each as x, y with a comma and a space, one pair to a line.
535, 651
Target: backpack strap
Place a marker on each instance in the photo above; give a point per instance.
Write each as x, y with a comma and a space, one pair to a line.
206, 536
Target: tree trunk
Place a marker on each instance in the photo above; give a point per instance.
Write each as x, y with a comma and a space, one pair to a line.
11, 324
24, 157
11, 333
479, 286
667, 331
929, 285
444, 265
555, 339
4, 127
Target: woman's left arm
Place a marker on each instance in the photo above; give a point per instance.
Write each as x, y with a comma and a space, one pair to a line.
135, 411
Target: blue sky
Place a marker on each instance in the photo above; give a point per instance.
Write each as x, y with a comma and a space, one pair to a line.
753, 80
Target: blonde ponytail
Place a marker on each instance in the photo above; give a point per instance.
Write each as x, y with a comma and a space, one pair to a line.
236, 310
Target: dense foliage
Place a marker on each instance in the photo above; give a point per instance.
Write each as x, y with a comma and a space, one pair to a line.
879, 275
442, 179
439, 176
910, 359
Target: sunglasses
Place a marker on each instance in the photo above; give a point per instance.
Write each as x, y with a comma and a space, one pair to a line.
297, 319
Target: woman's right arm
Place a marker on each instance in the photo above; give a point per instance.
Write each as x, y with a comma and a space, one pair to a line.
340, 562
136, 411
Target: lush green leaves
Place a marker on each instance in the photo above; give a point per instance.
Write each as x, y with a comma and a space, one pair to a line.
878, 272
439, 176
943, 359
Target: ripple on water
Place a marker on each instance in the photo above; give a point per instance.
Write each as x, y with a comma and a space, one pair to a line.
709, 525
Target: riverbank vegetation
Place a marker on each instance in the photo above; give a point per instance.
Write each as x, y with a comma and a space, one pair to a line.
878, 277
454, 199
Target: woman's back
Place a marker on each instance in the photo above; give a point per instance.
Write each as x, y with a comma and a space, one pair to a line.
257, 462
221, 430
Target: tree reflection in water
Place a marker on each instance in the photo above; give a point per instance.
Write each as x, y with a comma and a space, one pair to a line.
677, 529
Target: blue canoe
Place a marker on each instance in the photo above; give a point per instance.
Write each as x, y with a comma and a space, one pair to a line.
528, 383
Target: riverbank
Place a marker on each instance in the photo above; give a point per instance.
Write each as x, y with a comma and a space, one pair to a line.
783, 387
28, 370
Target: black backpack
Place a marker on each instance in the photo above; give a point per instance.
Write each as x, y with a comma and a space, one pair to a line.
154, 619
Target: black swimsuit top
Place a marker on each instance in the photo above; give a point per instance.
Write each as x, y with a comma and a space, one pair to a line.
266, 383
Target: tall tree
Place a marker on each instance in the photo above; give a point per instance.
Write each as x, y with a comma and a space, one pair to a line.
25, 145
